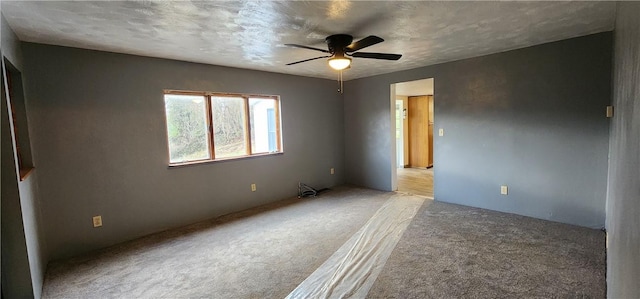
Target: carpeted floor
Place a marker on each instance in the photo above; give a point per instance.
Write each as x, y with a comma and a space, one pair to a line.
447, 251
260, 253
452, 251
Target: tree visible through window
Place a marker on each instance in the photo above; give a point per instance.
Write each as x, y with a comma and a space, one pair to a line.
187, 127
229, 126
211, 126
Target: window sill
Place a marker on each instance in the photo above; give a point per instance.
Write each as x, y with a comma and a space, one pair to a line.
192, 163
25, 172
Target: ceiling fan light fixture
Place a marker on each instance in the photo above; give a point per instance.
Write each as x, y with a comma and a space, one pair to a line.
339, 63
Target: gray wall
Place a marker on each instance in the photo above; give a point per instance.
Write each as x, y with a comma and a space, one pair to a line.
23, 247
623, 197
16, 275
532, 119
99, 137
10, 43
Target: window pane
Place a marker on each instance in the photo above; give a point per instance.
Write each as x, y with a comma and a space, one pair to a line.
229, 124
187, 128
264, 136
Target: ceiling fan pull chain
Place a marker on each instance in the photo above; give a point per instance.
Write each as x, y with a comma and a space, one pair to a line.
340, 89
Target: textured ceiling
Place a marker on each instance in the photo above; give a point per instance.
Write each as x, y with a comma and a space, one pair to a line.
251, 34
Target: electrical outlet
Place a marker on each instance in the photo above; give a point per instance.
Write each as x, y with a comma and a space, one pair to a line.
97, 221
609, 111
504, 190
253, 187
333, 171
441, 132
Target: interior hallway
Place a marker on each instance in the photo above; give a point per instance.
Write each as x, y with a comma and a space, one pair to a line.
418, 181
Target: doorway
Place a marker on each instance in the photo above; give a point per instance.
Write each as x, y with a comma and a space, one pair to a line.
413, 112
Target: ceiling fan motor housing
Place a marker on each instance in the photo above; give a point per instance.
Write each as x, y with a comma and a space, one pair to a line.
342, 45
338, 42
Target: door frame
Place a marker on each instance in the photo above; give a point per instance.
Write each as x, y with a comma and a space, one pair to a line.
392, 133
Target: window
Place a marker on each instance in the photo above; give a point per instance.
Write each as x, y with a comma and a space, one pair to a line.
204, 126
18, 124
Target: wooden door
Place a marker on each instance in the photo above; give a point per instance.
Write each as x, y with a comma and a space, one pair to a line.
418, 115
430, 132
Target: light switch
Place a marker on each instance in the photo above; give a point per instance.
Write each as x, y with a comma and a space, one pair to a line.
441, 132
504, 190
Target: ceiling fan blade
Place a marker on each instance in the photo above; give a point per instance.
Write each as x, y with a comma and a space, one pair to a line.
301, 61
363, 43
306, 47
385, 56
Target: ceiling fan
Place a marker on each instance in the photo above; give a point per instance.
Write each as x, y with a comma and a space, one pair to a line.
341, 47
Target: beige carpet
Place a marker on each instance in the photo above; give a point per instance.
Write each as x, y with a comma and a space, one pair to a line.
261, 253
452, 251
447, 251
